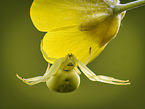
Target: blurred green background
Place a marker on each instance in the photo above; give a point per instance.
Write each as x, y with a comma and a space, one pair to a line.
20, 53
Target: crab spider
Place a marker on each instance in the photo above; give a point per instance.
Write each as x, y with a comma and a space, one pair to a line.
63, 75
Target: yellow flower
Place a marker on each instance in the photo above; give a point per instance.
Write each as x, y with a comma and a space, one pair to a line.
77, 31
73, 26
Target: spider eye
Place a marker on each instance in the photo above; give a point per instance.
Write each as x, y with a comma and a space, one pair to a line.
70, 55
70, 64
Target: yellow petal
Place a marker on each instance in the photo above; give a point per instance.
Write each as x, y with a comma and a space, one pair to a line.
57, 44
48, 15
73, 26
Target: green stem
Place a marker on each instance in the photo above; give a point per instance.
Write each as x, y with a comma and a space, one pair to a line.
124, 7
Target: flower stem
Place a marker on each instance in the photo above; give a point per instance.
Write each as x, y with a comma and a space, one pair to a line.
128, 6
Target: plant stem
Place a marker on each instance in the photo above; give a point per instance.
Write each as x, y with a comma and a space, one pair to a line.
128, 6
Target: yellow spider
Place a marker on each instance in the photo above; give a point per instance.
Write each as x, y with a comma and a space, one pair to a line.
63, 75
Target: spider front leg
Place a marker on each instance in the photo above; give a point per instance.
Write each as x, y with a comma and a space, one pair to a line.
100, 78
49, 72
110, 80
87, 61
34, 80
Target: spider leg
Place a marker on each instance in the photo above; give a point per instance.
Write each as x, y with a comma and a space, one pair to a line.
49, 72
77, 70
53, 69
87, 61
100, 78
32, 81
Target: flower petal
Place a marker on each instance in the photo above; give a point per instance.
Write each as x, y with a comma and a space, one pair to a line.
50, 15
58, 44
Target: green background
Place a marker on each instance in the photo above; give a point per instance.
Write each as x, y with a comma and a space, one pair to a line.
20, 53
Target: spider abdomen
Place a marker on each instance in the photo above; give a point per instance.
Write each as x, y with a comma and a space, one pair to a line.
64, 81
